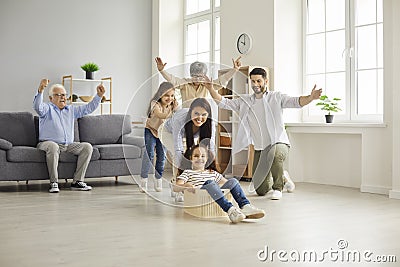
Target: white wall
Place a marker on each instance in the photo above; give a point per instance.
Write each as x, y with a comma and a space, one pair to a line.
52, 38
276, 31
352, 155
256, 18
288, 57
338, 163
167, 36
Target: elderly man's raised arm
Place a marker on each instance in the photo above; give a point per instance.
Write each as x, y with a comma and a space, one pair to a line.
167, 76
223, 80
38, 104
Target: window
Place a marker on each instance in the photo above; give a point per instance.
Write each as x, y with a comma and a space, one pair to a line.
202, 32
344, 56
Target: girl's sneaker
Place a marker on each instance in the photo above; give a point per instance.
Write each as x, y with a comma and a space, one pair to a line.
143, 185
252, 212
235, 215
158, 184
173, 193
179, 197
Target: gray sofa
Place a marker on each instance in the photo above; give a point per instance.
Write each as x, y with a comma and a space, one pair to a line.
115, 151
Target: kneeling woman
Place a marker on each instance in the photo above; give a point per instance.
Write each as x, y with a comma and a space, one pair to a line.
202, 174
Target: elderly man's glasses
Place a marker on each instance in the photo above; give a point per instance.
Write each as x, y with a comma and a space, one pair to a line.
60, 95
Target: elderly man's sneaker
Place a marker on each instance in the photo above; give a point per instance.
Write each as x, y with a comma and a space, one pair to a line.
235, 215
79, 185
288, 183
252, 212
54, 188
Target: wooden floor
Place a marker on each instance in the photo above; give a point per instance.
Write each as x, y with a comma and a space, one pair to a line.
116, 225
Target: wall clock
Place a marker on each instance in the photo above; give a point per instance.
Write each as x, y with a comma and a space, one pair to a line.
243, 43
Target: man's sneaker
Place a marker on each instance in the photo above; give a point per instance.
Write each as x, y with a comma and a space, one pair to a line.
252, 212
274, 194
143, 185
251, 188
54, 188
269, 193
288, 183
79, 185
158, 184
235, 215
179, 197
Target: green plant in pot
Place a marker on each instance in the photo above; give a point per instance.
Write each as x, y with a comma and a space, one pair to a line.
329, 105
90, 68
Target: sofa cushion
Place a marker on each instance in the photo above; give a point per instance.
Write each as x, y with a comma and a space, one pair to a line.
76, 129
25, 154
18, 128
104, 129
119, 151
32, 154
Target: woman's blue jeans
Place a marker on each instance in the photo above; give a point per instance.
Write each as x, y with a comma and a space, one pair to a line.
153, 145
216, 193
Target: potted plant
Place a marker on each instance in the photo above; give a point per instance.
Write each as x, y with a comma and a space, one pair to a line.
90, 68
330, 106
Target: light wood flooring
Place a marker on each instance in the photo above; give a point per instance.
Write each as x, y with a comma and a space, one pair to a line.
116, 225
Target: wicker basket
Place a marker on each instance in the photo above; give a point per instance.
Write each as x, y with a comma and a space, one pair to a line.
200, 204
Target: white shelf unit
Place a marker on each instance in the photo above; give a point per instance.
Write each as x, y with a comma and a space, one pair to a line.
240, 164
86, 87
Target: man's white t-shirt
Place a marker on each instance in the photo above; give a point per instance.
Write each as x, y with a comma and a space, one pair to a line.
258, 125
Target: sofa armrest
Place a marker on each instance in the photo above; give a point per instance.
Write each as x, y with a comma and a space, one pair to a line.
133, 140
5, 145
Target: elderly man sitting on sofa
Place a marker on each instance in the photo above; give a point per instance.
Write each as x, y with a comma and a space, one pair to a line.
56, 132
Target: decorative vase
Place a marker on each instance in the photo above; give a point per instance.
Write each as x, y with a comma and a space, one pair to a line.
329, 118
89, 75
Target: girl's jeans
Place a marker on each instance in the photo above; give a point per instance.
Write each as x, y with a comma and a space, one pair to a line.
216, 193
152, 142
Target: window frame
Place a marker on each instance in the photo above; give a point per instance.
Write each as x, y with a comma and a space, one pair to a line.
351, 101
210, 15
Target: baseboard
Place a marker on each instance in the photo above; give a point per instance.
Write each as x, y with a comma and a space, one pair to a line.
381, 190
394, 194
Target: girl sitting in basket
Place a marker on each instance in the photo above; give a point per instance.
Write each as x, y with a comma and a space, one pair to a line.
201, 173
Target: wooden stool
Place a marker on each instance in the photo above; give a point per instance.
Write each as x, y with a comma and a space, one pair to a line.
200, 204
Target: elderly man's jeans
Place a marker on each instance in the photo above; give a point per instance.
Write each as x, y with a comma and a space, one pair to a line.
216, 193
82, 150
269, 162
152, 142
